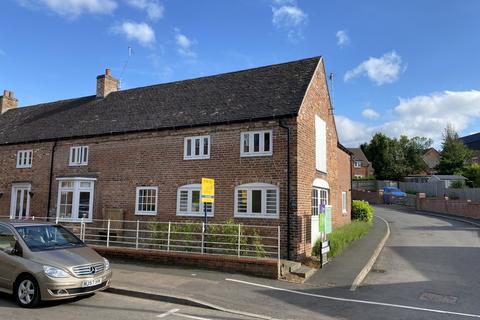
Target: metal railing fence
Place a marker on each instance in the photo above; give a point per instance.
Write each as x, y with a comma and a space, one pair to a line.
230, 239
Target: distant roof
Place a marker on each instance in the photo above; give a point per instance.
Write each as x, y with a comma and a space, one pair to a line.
357, 154
471, 138
449, 177
262, 93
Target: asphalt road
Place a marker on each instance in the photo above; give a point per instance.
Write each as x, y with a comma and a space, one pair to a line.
108, 306
429, 269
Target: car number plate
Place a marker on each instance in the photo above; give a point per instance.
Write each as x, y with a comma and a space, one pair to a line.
91, 282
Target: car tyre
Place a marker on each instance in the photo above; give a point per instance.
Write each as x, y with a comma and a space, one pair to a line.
27, 292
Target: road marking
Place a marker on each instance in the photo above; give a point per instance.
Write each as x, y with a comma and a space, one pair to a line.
189, 316
163, 315
357, 301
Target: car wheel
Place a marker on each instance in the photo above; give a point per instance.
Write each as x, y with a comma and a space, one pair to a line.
27, 292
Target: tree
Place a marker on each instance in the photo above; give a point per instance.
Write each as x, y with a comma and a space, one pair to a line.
472, 173
454, 155
394, 159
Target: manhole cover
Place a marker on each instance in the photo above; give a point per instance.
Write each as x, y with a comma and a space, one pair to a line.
439, 298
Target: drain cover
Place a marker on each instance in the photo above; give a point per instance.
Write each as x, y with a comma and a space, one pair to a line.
440, 298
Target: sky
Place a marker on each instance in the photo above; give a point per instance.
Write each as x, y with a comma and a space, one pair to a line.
400, 67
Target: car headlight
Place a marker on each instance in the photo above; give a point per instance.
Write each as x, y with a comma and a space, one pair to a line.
107, 264
55, 272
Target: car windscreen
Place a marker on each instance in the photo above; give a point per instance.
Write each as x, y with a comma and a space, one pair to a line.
48, 237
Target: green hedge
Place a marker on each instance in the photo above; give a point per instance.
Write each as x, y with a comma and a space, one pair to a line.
362, 211
341, 237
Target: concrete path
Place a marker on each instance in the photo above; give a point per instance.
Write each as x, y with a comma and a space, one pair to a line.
429, 269
342, 271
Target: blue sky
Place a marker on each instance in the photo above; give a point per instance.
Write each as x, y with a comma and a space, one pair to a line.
403, 67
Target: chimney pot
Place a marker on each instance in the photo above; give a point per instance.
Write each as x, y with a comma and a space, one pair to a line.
107, 71
6, 93
7, 101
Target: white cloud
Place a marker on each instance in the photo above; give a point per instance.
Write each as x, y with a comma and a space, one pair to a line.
184, 45
371, 114
385, 69
424, 116
286, 15
74, 8
153, 8
140, 32
342, 38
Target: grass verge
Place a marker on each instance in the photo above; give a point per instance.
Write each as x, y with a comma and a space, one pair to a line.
341, 237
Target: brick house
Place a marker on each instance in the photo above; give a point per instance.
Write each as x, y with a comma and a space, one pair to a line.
362, 168
473, 143
266, 135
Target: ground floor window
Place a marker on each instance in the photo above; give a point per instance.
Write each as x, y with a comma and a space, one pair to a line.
189, 201
257, 200
146, 201
319, 200
75, 199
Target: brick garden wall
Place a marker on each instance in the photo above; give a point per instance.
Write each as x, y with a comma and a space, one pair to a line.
460, 208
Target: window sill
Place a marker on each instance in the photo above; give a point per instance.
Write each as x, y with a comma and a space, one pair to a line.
24, 167
254, 216
145, 213
260, 154
188, 214
196, 158
78, 165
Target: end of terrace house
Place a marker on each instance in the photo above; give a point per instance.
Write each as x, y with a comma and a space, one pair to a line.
266, 135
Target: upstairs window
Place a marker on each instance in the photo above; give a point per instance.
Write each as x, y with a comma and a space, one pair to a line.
189, 202
357, 164
24, 158
256, 200
78, 156
256, 143
197, 148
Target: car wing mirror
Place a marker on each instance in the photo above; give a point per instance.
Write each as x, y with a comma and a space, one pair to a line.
16, 250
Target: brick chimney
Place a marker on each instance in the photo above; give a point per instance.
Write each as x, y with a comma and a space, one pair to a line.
106, 84
7, 101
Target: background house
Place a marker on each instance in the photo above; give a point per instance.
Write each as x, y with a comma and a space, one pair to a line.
361, 167
431, 157
473, 143
445, 180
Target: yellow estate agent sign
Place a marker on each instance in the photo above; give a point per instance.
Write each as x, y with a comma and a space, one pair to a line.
208, 190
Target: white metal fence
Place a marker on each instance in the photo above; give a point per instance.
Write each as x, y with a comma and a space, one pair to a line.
216, 239
438, 190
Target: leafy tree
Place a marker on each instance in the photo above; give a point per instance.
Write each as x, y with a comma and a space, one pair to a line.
472, 173
394, 159
454, 155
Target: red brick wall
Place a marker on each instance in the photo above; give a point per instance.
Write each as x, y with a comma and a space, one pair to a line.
317, 102
460, 208
363, 171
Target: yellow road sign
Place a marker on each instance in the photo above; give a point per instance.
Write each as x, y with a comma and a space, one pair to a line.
208, 190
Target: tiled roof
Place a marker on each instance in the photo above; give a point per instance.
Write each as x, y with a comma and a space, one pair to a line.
261, 93
357, 154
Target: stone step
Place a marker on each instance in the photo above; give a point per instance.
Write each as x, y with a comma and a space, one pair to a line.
303, 272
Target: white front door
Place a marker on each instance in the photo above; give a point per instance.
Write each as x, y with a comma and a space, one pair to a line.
20, 203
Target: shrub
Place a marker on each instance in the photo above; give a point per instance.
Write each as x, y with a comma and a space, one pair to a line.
362, 211
341, 237
457, 184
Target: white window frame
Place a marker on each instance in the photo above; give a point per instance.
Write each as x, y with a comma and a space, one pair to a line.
261, 152
357, 164
190, 213
76, 189
81, 160
137, 194
24, 159
320, 195
344, 202
192, 155
257, 186
358, 176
